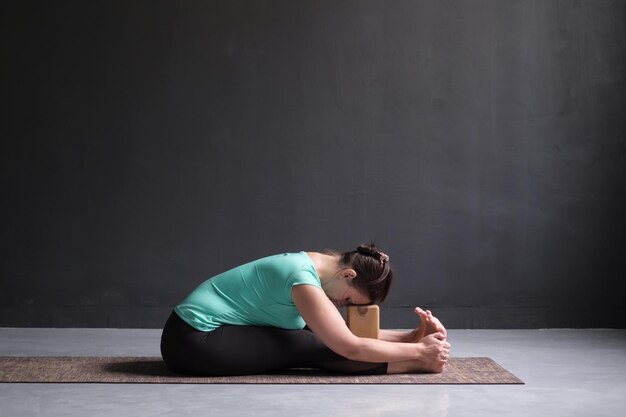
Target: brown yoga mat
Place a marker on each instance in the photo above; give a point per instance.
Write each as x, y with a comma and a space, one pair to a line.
152, 370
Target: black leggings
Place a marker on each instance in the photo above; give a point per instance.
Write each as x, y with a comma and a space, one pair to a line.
244, 350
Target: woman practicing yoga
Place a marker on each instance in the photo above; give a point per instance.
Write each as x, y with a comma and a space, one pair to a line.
281, 312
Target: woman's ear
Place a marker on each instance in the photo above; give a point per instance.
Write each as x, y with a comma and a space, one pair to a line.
349, 274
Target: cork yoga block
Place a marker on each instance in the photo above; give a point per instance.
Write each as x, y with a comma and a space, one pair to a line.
363, 321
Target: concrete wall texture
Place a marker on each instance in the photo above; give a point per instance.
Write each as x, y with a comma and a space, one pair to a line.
147, 146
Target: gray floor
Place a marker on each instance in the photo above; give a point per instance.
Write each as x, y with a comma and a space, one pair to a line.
567, 373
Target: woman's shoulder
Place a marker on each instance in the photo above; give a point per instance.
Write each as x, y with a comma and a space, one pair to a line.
288, 260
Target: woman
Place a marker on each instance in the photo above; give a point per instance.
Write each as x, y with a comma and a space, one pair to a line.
251, 319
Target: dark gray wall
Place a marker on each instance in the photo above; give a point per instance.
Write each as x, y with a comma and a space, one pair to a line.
149, 145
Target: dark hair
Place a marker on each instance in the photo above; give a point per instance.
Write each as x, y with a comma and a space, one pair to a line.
373, 271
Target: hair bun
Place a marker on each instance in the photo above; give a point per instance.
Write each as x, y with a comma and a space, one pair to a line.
367, 250
373, 252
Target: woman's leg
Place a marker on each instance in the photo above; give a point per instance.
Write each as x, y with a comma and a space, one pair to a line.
241, 350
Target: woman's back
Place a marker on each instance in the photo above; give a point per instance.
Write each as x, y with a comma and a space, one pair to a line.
256, 293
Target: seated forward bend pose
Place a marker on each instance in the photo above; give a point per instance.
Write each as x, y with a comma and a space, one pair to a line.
281, 312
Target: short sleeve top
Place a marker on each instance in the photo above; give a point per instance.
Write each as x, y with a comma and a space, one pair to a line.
257, 293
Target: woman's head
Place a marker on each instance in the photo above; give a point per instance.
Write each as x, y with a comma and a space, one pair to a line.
373, 271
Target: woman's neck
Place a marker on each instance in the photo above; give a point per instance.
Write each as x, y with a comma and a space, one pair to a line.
325, 265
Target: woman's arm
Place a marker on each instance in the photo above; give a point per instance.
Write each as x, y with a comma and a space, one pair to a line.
324, 320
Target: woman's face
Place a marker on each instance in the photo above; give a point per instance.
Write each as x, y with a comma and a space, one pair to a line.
341, 293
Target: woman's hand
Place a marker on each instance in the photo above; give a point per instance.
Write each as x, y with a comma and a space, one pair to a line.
429, 324
435, 352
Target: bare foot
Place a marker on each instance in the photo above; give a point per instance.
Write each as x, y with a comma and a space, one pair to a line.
433, 325
429, 324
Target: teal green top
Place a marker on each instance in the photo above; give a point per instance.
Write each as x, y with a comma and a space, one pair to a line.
257, 293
